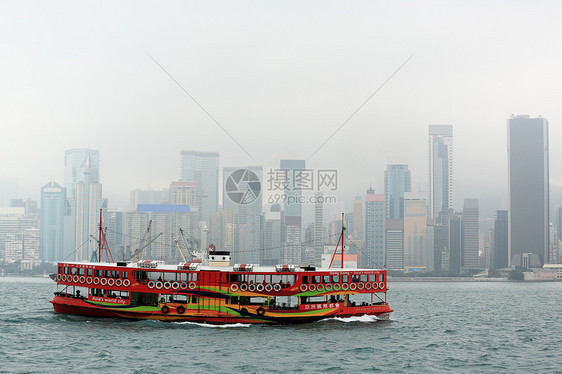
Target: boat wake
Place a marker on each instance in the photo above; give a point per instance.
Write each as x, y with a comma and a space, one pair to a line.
225, 326
364, 318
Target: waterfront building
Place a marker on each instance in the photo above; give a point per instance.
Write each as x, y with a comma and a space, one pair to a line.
470, 234
73, 161
202, 168
397, 181
373, 255
394, 243
53, 211
440, 198
501, 238
415, 234
293, 173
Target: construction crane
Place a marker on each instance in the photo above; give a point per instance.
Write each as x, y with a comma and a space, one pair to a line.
178, 247
139, 251
191, 244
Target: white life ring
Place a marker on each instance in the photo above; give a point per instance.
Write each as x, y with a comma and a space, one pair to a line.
243, 287
110, 282
103, 281
367, 286
75, 279
329, 287
337, 287
320, 287
96, 281
159, 285
89, 280
251, 287
192, 285
381, 285
126, 283
118, 282
82, 279
277, 288
360, 286
375, 285
259, 287
183, 285
151, 284
352, 286
304, 287
311, 287
233, 287
345, 286
59, 278
268, 287
167, 285
175, 285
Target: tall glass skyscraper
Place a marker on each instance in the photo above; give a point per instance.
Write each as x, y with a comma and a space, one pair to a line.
203, 168
53, 204
292, 247
73, 160
397, 181
374, 256
528, 191
440, 169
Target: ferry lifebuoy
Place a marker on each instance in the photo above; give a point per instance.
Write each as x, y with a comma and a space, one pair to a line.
320, 287
268, 287
375, 285
96, 281
82, 279
260, 311
360, 286
175, 285
110, 282
233, 287
118, 282
304, 287
159, 285
259, 287
252, 287
345, 286
243, 287
192, 285
352, 286
381, 285
329, 287
183, 285
367, 286
277, 288
126, 283
165, 309
89, 280
311, 287
337, 287
180, 309
75, 279
59, 278
103, 281
167, 285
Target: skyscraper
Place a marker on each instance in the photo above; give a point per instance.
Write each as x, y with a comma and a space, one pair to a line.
415, 234
500, 256
203, 168
373, 255
294, 169
73, 161
440, 169
528, 191
470, 233
397, 181
53, 204
318, 228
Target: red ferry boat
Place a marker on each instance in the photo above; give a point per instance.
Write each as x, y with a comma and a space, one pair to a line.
212, 291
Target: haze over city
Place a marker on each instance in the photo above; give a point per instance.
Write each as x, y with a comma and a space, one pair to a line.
280, 78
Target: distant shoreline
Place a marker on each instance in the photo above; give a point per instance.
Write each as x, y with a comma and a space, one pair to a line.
445, 279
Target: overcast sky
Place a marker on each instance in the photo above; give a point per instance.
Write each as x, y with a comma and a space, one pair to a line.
280, 77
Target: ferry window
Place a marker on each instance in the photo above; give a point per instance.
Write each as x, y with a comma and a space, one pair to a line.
233, 278
251, 278
316, 279
364, 277
106, 273
345, 278
194, 299
259, 278
354, 278
73, 271
305, 279
155, 275
183, 277
114, 274
89, 272
268, 278
97, 273
275, 278
381, 277
335, 279
124, 275
66, 270
60, 269
372, 277
326, 279
194, 277
288, 279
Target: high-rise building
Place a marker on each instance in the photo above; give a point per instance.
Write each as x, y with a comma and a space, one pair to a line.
415, 234
203, 168
73, 161
243, 196
183, 193
358, 218
500, 258
470, 233
455, 249
294, 172
397, 181
528, 191
53, 209
272, 249
394, 243
559, 222
149, 196
373, 255
440, 197
318, 229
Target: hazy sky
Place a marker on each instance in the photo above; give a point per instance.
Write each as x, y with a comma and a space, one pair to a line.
280, 76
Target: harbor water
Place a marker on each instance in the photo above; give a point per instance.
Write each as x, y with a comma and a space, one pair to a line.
436, 327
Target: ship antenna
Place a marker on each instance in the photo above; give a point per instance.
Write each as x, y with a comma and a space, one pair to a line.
343, 228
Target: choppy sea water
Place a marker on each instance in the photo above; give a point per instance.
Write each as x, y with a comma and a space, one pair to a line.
436, 327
